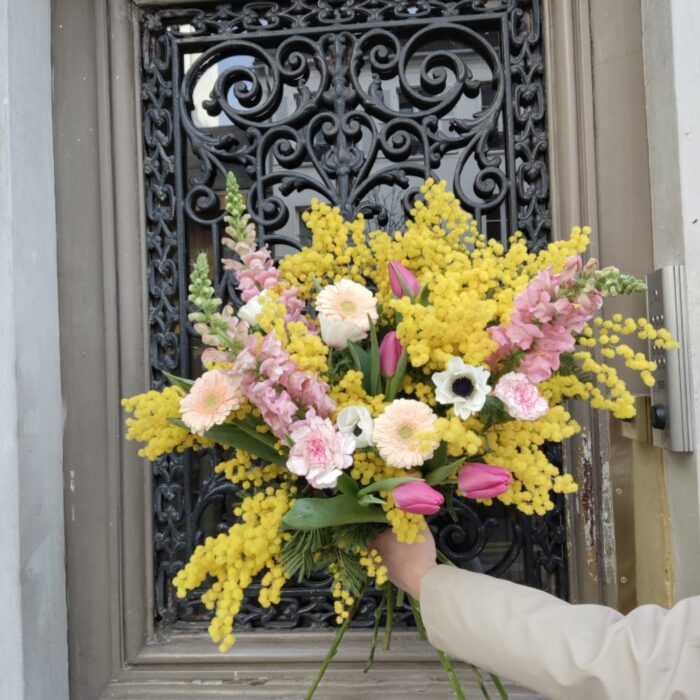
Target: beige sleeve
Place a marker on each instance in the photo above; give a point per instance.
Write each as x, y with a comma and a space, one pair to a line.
563, 651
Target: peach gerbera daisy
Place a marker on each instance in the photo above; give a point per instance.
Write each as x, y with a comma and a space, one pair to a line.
347, 301
212, 397
404, 434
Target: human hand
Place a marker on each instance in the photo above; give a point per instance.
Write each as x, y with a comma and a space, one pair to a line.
406, 563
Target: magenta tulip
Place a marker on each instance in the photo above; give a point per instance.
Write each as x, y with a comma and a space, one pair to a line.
483, 480
389, 353
417, 497
398, 274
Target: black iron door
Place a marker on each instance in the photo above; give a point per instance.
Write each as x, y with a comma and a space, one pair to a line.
355, 102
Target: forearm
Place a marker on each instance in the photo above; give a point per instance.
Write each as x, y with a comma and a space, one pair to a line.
548, 645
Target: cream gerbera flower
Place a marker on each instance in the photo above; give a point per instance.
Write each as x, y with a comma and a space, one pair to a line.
212, 397
404, 433
349, 302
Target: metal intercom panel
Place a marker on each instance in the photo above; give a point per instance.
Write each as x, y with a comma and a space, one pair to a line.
672, 395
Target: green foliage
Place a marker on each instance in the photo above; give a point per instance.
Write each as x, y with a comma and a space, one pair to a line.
373, 359
568, 366
493, 413
440, 474
297, 555
184, 384
386, 485
339, 548
242, 438
313, 513
396, 381
349, 572
363, 362
355, 536
347, 485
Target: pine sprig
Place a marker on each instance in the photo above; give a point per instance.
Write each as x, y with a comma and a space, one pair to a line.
297, 555
349, 572
568, 366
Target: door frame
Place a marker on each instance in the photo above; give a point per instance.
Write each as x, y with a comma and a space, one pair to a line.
114, 649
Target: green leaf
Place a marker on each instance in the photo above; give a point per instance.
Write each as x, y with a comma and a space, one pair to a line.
450, 505
347, 485
373, 359
184, 384
362, 363
232, 435
439, 457
423, 296
440, 474
313, 513
386, 485
493, 412
396, 381
370, 499
317, 284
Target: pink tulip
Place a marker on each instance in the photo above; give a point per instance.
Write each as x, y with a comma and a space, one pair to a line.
483, 480
389, 353
417, 497
397, 274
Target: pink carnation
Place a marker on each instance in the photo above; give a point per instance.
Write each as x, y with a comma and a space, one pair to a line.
319, 451
520, 396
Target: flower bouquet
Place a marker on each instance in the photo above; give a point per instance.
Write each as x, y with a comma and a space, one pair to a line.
369, 380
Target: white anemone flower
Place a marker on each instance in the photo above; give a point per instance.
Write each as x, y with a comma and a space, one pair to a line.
357, 421
251, 311
462, 385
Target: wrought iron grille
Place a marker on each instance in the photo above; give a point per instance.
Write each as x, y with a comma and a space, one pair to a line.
355, 102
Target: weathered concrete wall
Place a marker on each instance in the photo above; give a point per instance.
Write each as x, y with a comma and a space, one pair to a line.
672, 77
33, 656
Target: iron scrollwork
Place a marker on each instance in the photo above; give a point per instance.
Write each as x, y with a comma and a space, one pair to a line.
356, 102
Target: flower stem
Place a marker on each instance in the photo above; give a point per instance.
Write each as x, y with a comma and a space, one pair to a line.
444, 659
444, 559
375, 632
503, 695
333, 650
389, 616
499, 686
480, 680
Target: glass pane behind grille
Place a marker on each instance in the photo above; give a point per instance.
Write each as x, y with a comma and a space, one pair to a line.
355, 103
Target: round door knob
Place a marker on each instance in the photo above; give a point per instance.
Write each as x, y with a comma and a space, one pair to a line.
659, 416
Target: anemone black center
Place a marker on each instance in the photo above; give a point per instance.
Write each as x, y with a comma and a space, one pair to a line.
357, 431
463, 387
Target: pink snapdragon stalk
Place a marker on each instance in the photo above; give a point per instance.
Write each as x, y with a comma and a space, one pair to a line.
548, 315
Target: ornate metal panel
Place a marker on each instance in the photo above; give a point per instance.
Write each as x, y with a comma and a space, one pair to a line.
355, 102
